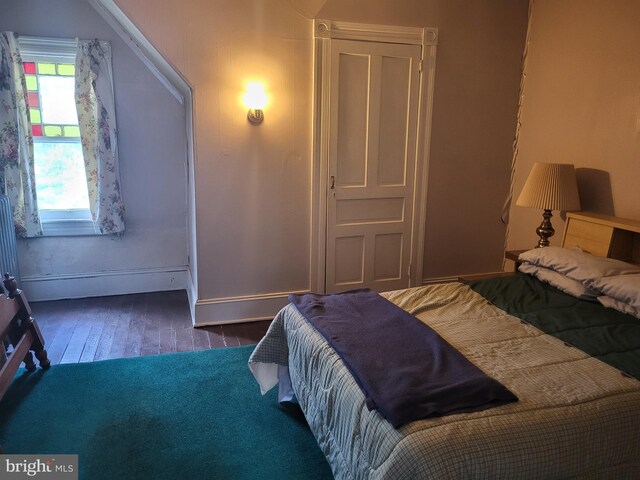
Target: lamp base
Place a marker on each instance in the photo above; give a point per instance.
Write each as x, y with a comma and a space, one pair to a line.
545, 230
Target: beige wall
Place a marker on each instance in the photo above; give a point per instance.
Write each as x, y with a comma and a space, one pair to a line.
582, 106
151, 138
253, 183
478, 70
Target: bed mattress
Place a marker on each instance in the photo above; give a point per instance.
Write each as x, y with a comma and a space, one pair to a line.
576, 417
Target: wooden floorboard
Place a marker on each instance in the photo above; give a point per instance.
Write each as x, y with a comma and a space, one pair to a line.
167, 340
122, 315
151, 335
216, 337
91, 329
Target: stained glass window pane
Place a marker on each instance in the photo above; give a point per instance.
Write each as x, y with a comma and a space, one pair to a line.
33, 100
36, 130
32, 82
46, 68
58, 100
34, 115
66, 69
52, 131
29, 67
71, 131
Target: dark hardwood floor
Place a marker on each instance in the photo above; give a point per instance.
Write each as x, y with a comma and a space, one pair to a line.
89, 329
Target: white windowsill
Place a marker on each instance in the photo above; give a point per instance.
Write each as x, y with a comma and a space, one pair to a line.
59, 223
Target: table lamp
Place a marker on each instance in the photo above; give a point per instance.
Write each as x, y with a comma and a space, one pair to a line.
550, 186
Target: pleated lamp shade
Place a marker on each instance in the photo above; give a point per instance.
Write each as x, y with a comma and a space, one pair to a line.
551, 186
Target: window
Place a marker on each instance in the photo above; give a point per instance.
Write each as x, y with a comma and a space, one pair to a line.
61, 184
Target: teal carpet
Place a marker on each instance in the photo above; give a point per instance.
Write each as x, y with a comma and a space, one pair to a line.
182, 415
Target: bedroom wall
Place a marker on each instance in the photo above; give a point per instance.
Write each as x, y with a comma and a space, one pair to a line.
253, 183
478, 69
582, 106
152, 253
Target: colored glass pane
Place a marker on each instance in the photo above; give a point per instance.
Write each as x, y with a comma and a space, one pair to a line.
46, 68
36, 130
67, 69
71, 131
32, 98
52, 131
32, 82
29, 67
34, 115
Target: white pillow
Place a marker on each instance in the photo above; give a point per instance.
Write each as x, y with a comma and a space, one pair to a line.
625, 288
618, 305
560, 281
576, 264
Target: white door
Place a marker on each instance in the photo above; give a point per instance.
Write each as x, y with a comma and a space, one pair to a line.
372, 162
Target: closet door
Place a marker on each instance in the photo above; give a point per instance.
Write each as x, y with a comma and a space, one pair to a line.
372, 162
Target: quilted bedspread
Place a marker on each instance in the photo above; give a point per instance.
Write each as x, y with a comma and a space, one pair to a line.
577, 417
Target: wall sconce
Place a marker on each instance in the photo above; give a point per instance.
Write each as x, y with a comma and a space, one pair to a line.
255, 99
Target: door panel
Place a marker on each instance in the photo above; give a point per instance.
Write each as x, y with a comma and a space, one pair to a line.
353, 93
392, 138
349, 261
388, 257
372, 155
370, 210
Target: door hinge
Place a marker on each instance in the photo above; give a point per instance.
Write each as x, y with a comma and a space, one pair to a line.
409, 271
421, 66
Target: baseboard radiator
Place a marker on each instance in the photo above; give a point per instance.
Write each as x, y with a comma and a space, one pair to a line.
8, 252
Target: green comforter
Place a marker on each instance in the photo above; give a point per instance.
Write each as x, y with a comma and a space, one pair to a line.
604, 333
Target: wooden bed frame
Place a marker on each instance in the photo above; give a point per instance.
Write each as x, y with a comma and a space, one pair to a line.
603, 236
22, 331
600, 235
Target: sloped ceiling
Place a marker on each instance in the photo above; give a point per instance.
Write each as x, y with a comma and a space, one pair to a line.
307, 8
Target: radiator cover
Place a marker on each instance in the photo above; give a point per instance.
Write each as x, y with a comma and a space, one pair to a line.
8, 252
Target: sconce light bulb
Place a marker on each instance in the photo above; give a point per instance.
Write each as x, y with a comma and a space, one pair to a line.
255, 97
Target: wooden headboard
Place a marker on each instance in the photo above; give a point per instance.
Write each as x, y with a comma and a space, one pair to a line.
603, 235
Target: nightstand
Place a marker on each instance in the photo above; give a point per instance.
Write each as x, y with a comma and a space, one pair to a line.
513, 256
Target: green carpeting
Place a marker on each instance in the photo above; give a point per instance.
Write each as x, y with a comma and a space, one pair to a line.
196, 415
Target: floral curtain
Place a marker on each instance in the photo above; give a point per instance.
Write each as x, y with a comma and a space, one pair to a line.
96, 117
17, 174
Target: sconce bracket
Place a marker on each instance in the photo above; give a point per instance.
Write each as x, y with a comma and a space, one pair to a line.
255, 116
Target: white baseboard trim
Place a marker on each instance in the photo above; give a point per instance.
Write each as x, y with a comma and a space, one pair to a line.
465, 277
192, 294
250, 308
253, 308
100, 284
429, 281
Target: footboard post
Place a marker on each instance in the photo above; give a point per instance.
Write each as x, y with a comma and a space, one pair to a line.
27, 323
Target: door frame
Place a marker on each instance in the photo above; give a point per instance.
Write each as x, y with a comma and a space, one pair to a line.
323, 32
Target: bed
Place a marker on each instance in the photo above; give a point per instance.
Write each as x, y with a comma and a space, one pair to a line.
578, 413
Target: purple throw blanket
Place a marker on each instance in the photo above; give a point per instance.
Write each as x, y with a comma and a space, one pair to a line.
405, 369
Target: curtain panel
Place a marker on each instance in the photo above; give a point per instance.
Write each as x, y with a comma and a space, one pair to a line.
17, 174
97, 120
